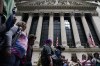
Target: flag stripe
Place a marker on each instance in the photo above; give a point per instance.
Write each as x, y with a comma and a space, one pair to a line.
91, 41
57, 41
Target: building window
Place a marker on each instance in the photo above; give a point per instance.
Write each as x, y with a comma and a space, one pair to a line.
57, 31
93, 32
44, 32
34, 25
25, 17
69, 33
81, 31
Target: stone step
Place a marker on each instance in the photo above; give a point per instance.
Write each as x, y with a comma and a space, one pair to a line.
74, 49
67, 55
35, 58
79, 55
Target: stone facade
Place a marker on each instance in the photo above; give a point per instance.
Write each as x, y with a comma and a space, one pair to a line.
61, 7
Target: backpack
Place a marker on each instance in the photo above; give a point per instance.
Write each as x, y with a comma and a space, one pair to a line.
44, 56
56, 55
43, 53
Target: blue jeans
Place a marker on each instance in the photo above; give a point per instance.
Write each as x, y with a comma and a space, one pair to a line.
9, 60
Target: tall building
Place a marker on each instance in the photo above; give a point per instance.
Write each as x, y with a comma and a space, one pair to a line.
75, 24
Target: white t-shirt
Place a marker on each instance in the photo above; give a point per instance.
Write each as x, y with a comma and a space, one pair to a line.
88, 63
73, 64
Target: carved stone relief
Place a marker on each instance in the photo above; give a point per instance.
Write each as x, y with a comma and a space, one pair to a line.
46, 2
55, 2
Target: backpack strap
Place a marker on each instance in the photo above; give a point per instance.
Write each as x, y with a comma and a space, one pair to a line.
16, 36
43, 50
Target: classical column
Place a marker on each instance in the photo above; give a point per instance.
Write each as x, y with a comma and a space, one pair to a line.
28, 24
96, 24
19, 18
86, 27
75, 31
38, 31
63, 31
50, 35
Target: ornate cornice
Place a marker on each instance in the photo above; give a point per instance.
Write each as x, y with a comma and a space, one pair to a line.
70, 0
56, 4
58, 11
74, 13
32, 8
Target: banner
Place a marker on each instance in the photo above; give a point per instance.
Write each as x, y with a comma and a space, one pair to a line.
9, 5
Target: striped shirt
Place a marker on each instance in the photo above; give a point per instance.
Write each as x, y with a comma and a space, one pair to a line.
88, 63
20, 47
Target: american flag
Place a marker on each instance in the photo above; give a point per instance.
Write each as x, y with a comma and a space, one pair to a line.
57, 41
91, 41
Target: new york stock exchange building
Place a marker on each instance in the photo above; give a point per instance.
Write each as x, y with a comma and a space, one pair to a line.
75, 24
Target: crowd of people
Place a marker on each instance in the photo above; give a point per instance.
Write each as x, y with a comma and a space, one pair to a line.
16, 49
50, 57
15, 45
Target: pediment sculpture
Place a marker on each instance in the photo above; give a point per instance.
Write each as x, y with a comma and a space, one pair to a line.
55, 3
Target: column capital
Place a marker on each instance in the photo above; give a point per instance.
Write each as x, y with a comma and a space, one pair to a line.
94, 13
51, 13
82, 14
61, 14
72, 14
30, 13
41, 13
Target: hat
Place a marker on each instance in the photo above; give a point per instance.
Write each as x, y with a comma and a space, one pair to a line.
48, 41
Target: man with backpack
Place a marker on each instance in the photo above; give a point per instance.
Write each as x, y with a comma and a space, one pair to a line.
46, 54
59, 60
10, 55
